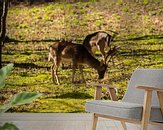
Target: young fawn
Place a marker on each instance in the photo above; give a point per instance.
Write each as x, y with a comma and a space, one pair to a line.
98, 41
77, 54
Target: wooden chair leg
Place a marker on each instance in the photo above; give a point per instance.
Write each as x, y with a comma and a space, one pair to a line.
160, 98
94, 124
98, 93
112, 94
146, 109
124, 125
97, 96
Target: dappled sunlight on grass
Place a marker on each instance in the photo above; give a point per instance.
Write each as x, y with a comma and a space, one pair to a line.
139, 28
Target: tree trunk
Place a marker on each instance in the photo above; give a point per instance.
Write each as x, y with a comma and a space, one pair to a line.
1, 10
3, 27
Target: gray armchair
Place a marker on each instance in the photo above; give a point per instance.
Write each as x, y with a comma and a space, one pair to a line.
141, 104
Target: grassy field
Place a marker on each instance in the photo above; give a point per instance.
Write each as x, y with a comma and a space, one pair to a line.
140, 35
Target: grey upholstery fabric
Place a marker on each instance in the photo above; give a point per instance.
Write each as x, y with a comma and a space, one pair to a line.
131, 105
125, 110
143, 77
116, 109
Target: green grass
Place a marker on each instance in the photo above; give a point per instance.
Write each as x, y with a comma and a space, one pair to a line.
139, 36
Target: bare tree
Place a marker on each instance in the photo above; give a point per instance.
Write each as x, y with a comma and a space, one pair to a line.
1, 10
4, 8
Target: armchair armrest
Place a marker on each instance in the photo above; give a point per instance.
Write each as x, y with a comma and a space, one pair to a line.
148, 88
148, 97
98, 91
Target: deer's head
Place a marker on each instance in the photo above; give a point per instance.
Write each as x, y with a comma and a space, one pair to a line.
103, 65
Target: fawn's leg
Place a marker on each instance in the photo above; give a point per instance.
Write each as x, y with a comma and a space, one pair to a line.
55, 69
81, 72
52, 72
74, 66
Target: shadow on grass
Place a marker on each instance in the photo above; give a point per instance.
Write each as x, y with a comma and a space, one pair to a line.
42, 2
74, 95
141, 52
28, 65
27, 41
36, 41
145, 37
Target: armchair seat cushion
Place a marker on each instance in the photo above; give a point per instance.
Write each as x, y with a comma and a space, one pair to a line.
125, 110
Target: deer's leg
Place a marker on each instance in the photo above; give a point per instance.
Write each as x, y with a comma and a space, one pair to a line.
74, 66
56, 75
52, 72
81, 72
55, 69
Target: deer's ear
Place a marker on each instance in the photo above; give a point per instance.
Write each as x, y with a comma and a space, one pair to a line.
48, 46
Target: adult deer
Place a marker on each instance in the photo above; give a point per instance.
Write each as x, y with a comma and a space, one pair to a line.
98, 41
65, 51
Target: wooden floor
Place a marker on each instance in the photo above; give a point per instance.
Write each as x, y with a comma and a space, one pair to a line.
63, 121
60, 121
57, 121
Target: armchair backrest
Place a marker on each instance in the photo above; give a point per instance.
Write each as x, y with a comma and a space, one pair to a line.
143, 77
